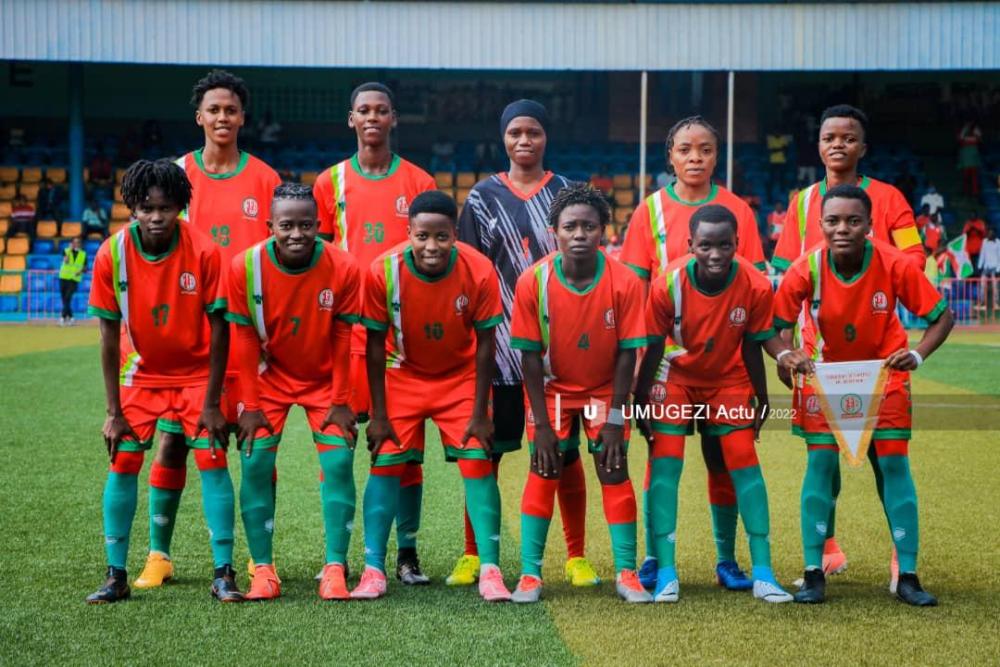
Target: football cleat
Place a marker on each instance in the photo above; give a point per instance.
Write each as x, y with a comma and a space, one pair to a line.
409, 573
580, 572
529, 589
224, 587
647, 573
115, 588
767, 588
265, 585
894, 572
158, 570
834, 560
629, 589
813, 590
668, 587
333, 585
911, 592
491, 586
465, 573
731, 577
372, 584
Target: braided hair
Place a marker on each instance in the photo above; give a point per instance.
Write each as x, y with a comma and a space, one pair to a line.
298, 191
144, 175
580, 193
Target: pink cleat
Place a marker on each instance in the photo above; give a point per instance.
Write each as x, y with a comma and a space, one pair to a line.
372, 585
491, 586
893, 571
834, 560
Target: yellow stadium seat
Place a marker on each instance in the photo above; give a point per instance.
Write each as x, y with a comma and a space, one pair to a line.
118, 175
622, 215
47, 229
29, 191
461, 195
4, 224
8, 174
5, 209
15, 263
17, 245
118, 193
71, 229
444, 179
115, 226
31, 175
624, 197
56, 174
649, 183
11, 283
8, 192
622, 181
120, 212
465, 179
309, 177
3, 244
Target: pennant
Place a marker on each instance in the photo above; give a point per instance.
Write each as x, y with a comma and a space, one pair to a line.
850, 393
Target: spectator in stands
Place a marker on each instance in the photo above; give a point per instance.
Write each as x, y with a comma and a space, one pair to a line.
48, 206
975, 232
22, 218
100, 169
906, 184
933, 231
968, 157
95, 219
923, 217
989, 270
777, 157
775, 223
931, 268
932, 199
269, 130
443, 155
70, 274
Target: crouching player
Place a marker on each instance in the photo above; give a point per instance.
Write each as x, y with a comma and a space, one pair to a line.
701, 312
852, 284
294, 298
161, 280
431, 306
578, 323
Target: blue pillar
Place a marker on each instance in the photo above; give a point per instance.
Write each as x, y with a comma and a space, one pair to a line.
75, 141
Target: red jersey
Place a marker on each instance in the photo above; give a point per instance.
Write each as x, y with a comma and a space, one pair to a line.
430, 320
857, 317
892, 222
578, 332
704, 332
659, 230
162, 301
233, 208
294, 311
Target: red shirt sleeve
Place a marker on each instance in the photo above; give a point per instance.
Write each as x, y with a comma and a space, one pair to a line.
236, 301
488, 312
795, 288
373, 311
631, 324
325, 206
525, 331
659, 310
638, 245
348, 307
761, 317
426, 182
248, 352
903, 229
102, 290
215, 287
789, 245
916, 292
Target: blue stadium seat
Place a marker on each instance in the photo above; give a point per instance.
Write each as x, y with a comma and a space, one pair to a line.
91, 246
38, 262
79, 303
9, 303
44, 247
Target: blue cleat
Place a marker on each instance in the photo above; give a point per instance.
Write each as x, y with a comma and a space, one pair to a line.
731, 577
647, 573
668, 588
767, 588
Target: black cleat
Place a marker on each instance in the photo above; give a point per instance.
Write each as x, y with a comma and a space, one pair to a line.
224, 587
910, 591
813, 590
115, 589
408, 571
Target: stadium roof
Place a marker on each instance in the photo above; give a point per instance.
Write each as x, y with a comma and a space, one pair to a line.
747, 36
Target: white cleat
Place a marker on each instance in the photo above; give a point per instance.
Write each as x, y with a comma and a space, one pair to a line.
670, 593
629, 589
768, 592
529, 590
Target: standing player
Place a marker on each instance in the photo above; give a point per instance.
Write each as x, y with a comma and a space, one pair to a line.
842, 136
363, 203
231, 195
658, 234
709, 306
852, 284
506, 218
162, 281
431, 308
578, 323
294, 299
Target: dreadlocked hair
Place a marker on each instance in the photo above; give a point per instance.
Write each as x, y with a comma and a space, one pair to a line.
580, 193
144, 175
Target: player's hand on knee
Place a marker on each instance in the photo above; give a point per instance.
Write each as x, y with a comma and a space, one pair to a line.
116, 429
249, 423
547, 454
379, 431
343, 418
212, 421
481, 428
611, 440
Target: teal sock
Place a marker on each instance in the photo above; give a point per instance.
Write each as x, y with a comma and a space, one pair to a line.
901, 509
163, 504
724, 520
257, 503
408, 520
831, 523
662, 497
120, 496
219, 503
751, 496
482, 501
380, 506
817, 497
620, 513
337, 494
534, 533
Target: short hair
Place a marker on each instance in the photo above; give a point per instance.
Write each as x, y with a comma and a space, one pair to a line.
846, 111
580, 193
220, 78
688, 122
848, 191
299, 191
712, 213
144, 175
434, 201
373, 86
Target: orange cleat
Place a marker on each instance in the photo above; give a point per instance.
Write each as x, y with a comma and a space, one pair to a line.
333, 586
834, 559
265, 584
371, 586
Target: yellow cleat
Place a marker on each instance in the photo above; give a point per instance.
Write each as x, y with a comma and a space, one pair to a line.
466, 572
580, 572
158, 570
251, 568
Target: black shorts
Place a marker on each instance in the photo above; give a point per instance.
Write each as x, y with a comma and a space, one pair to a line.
508, 418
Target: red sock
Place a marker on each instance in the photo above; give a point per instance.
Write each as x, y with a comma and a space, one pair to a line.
539, 497
573, 507
720, 488
470, 536
167, 478
619, 502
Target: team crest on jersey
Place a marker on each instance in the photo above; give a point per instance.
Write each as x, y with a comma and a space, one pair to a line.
737, 316
402, 206
326, 299
812, 405
880, 302
609, 318
188, 283
461, 303
250, 207
657, 393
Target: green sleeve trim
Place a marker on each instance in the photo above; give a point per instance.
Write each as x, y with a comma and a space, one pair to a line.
325, 237
937, 311
783, 324
891, 434
632, 343
766, 334
236, 318
104, 314
217, 306
525, 344
760, 266
641, 272
374, 324
350, 318
780, 263
490, 323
